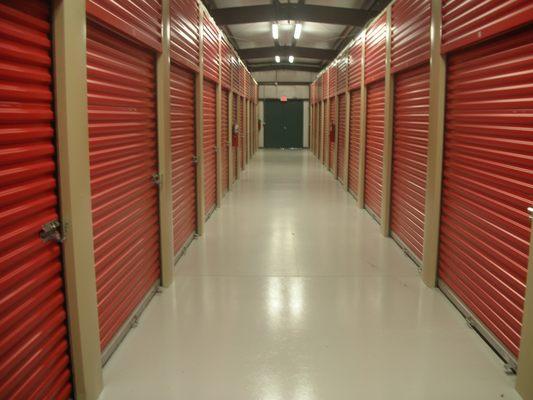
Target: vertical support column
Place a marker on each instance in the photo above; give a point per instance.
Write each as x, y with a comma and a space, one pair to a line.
218, 112
346, 155
199, 123
437, 103
362, 129
389, 127
231, 161
70, 69
239, 144
524, 383
164, 151
326, 132
336, 144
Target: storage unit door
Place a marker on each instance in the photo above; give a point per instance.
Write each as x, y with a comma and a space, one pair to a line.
488, 181
375, 134
123, 159
355, 141
209, 145
235, 148
225, 141
332, 123
34, 354
325, 132
183, 153
243, 131
342, 137
409, 162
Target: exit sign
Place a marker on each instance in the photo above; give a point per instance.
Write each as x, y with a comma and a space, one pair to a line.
283, 99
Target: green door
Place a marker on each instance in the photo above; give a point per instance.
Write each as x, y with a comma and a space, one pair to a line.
283, 124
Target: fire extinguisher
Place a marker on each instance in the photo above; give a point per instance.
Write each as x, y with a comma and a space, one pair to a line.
332, 133
235, 135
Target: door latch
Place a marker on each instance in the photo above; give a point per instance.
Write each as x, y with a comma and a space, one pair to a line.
195, 159
52, 232
156, 179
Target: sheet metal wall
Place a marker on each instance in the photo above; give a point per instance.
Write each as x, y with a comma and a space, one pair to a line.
410, 39
210, 49
226, 65
487, 181
354, 65
123, 158
139, 20
183, 152
465, 22
34, 341
375, 48
225, 140
355, 141
409, 161
342, 137
332, 124
184, 33
375, 125
209, 145
342, 73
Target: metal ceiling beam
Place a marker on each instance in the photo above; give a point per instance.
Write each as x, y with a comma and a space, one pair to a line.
287, 67
294, 12
285, 51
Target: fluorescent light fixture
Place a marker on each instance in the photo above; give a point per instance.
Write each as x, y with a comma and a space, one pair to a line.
297, 31
275, 31
278, 59
291, 59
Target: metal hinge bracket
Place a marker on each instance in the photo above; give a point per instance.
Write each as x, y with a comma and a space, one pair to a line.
156, 179
52, 231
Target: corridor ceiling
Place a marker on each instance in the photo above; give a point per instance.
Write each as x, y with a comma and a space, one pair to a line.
327, 26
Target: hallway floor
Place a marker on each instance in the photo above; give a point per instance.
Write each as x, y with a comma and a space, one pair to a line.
293, 294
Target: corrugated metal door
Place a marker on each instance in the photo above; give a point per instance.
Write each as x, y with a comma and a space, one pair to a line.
342, 137
325, 131
183, 152
409, 163
375, 135
242, 131
331, 128
225, 141
234, 150
355, 141
209, 145
487, 181
34, 354
123, 158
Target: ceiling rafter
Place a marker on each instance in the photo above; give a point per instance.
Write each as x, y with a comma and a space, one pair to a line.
293, 12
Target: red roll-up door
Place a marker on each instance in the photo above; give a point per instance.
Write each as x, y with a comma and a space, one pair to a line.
235, 149
355, 141
375, 135
123, 158
488, 181
409, 164
183, 153
34, 354
342, 137
225, 141
332, 122
325, 131
242, 131
210, 143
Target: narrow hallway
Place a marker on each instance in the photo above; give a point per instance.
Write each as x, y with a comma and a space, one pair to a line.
293, 294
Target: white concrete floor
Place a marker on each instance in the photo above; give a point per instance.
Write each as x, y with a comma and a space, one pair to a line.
293, 294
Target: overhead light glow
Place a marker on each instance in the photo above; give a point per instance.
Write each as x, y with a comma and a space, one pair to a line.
297, 31
275, 31
277, 58
291, 59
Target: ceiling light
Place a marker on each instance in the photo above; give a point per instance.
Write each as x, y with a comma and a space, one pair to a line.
291, 59
297, 31
275, 31
277, 58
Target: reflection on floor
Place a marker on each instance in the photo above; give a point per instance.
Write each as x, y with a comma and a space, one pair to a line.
293, 294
